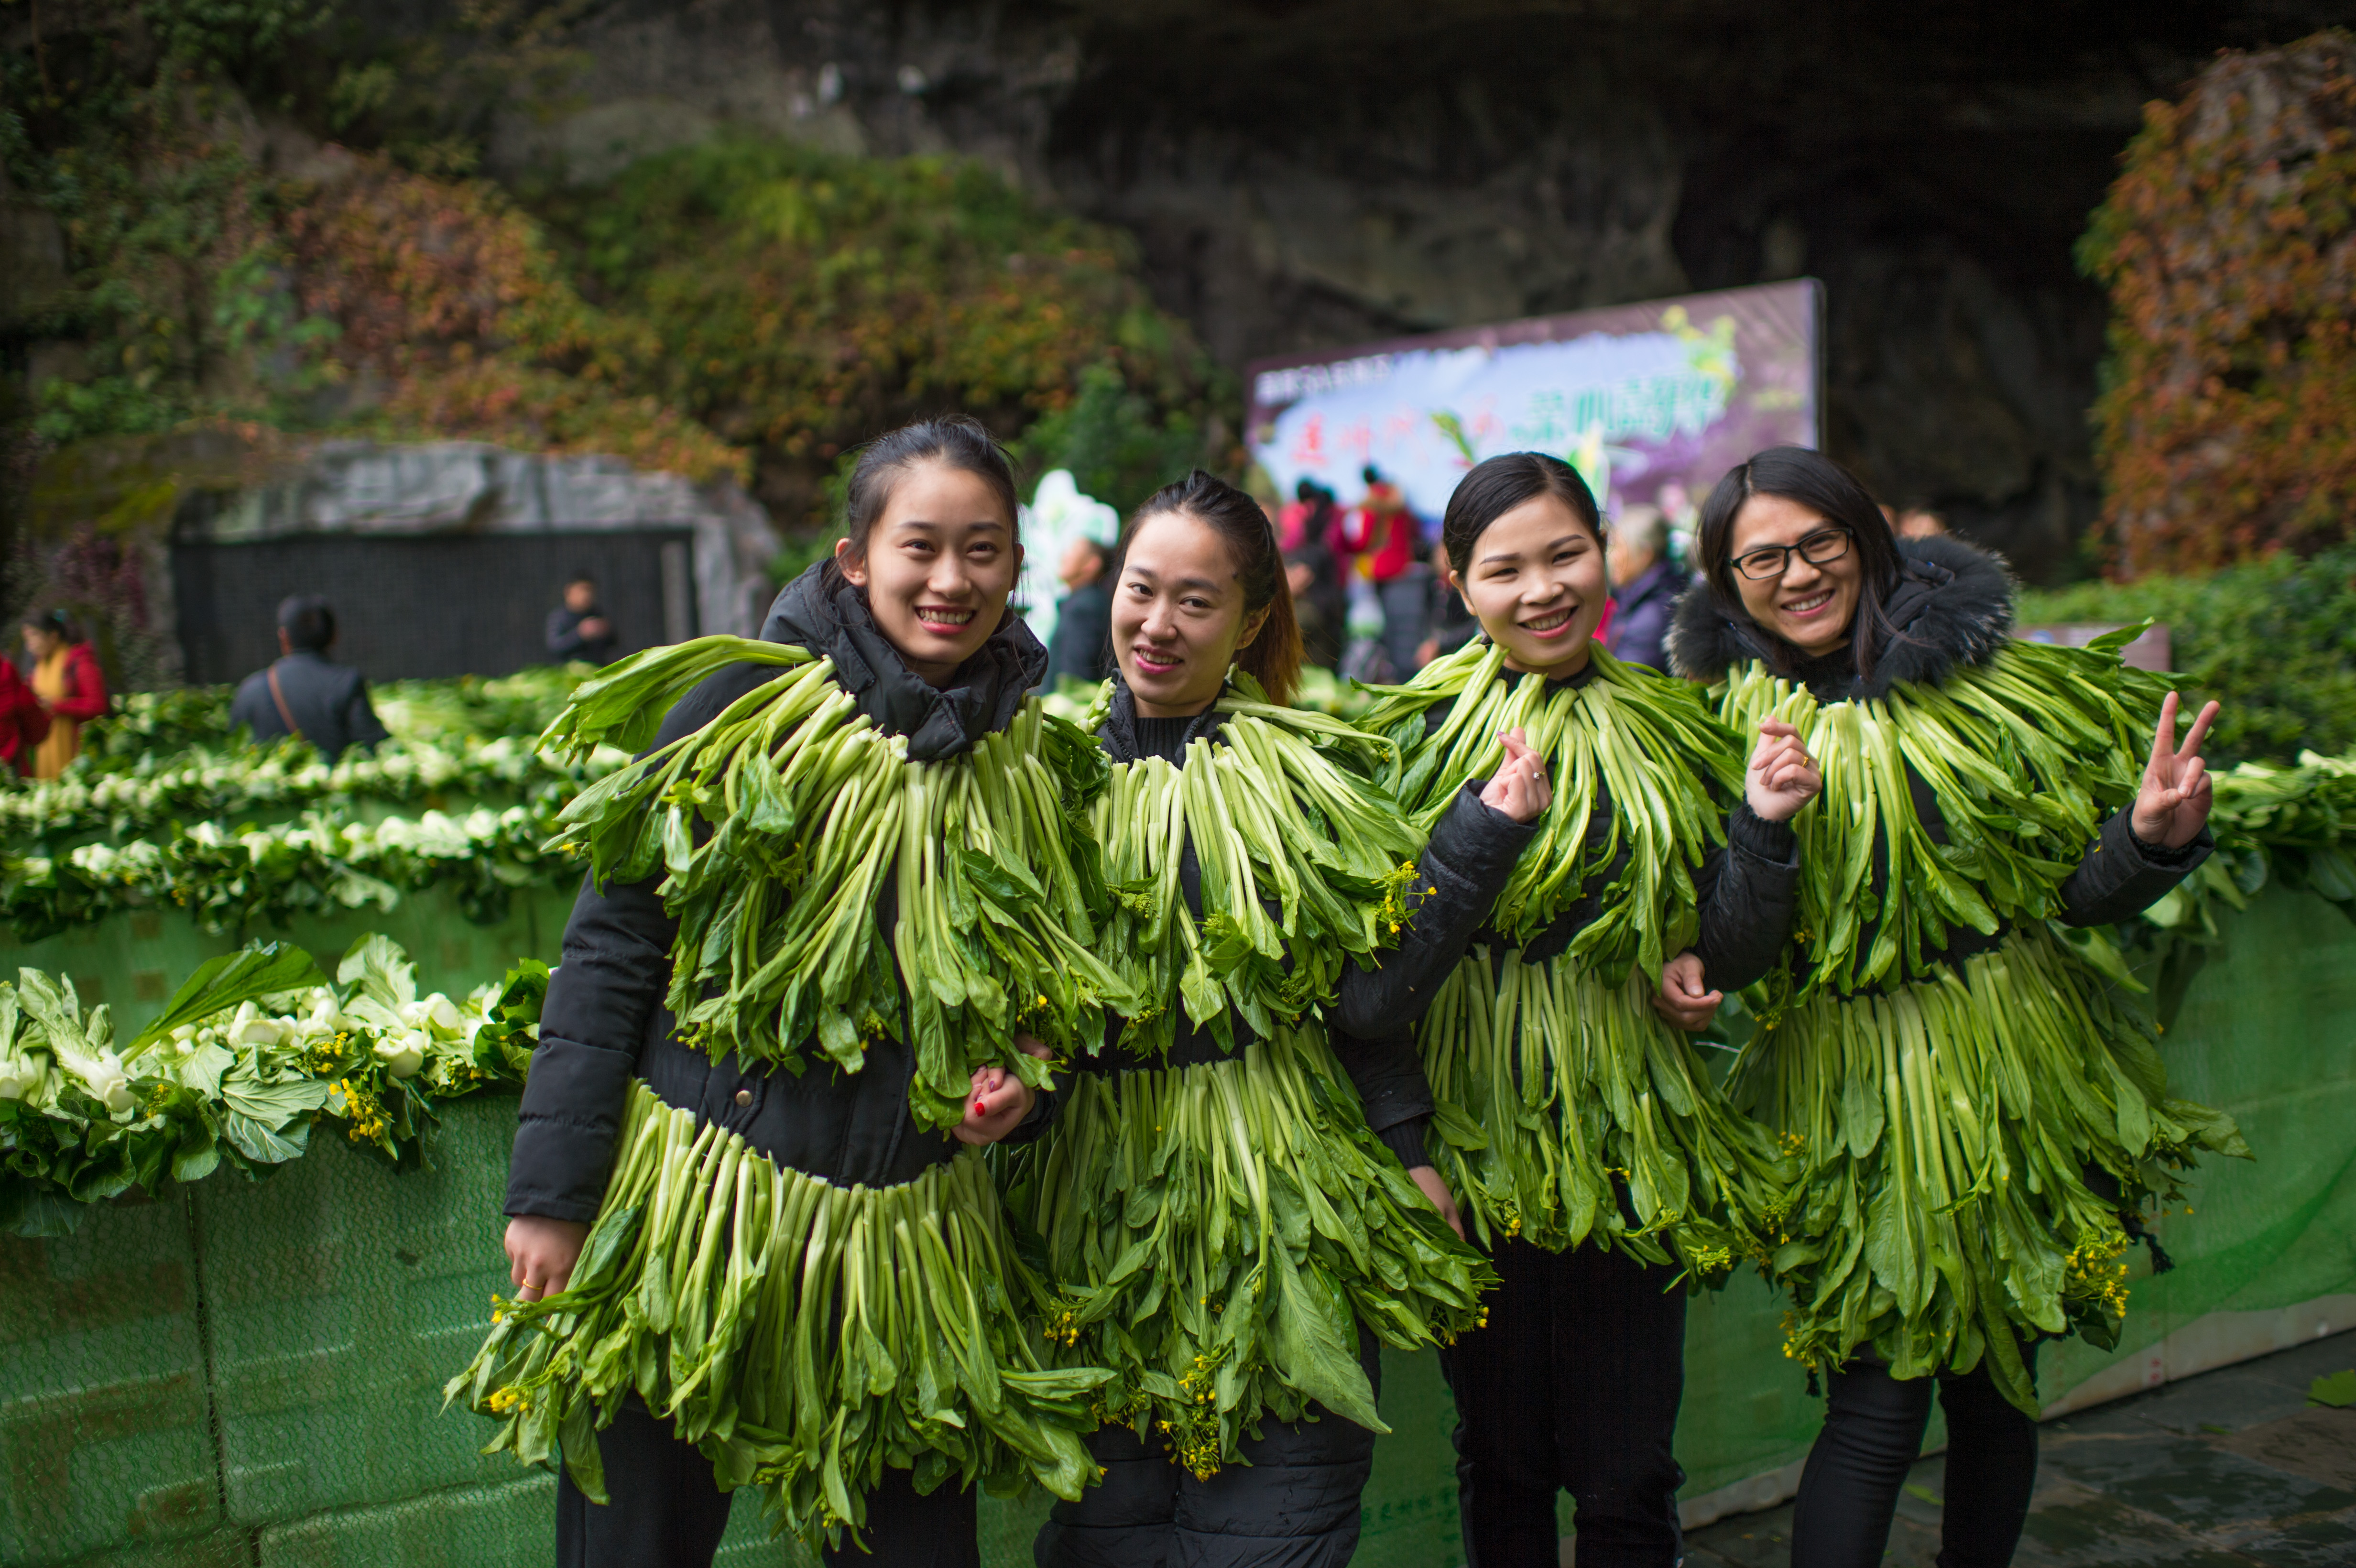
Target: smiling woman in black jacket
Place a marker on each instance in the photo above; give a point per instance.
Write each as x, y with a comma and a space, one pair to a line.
1234, 1237
1584, 1137
730, 1275
1979, 1115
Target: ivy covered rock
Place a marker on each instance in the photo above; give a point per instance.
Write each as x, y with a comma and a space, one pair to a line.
2229, 247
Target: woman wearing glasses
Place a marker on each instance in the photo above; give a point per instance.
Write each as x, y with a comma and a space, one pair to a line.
1981, 1118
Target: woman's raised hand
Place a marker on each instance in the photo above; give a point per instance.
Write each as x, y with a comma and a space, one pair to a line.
2173, 803
1783, 776
1519, 786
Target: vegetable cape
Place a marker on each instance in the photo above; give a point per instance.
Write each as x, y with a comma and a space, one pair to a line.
1557, 1084
1217, 1228
817, 816
805, 1336
1949, 1113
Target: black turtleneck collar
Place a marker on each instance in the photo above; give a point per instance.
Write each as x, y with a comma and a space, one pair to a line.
1126, 737
1574, 680
983, 696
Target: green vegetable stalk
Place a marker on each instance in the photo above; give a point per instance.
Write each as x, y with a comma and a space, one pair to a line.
804, 1336
1556, 1091
812, 816
2026, 754
1284, 810
1951, 1117
1221, 1229
1557, 1085
1646, 740
1949, 1124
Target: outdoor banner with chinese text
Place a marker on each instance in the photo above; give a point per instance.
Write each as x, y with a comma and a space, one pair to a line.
1651, 403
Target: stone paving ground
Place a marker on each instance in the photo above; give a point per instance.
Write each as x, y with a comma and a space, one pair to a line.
2230, 1469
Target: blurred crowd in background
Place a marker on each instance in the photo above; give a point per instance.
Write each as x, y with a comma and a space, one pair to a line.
1370, 582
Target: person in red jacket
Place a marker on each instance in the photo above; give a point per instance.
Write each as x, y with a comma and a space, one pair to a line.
1381, 541
68, 685
23, 720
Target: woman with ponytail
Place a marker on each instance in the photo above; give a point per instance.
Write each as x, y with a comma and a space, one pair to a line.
1235, 1237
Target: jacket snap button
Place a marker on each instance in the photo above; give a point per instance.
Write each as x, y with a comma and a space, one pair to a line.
744, 1096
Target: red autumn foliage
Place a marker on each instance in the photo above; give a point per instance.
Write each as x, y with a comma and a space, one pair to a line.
2228, 243
448, 298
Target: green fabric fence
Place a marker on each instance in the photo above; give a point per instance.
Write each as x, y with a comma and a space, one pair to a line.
250, 1374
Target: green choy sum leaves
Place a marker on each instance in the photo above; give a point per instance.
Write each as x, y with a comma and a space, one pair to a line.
779, 828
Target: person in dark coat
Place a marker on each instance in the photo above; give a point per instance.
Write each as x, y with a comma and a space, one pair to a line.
303, 694
1449, 623
1295, 1501
1802, 571
605, 1025
1645, 590
1573, 1382
1081, 647
578, 629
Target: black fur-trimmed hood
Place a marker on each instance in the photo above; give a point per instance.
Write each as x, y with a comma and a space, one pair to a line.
1952, 606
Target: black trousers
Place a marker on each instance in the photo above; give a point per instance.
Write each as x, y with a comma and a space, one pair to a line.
1295, 1504
666, 1511
1872, 1435
1573, 1386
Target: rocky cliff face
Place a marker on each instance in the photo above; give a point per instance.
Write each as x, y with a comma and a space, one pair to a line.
1310, 173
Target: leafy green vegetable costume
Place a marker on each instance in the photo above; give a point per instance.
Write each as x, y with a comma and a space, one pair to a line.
1557, 1085
805, 1332
1212, 1201
1954, 1064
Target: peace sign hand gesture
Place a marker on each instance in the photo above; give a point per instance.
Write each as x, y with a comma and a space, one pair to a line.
2173, 803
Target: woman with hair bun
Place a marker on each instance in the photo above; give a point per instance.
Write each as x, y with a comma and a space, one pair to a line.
1981, 1117
1219, 1194
834, 919
1583, 1132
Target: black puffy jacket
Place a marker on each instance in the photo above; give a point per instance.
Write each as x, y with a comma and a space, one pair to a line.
1952, 606
604, 1024
1468, 858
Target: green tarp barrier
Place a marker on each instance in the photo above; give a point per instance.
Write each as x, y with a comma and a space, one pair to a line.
250, 1374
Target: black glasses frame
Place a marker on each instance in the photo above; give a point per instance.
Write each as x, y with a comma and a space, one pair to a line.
1819, 548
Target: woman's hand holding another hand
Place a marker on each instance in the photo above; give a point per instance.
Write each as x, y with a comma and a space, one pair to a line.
541, 1253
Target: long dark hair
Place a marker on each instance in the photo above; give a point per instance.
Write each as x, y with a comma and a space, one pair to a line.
954, 441
1497, 484
1274, 657
1816, 481
59, 621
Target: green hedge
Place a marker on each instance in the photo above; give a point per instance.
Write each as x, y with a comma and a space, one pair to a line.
2275, 641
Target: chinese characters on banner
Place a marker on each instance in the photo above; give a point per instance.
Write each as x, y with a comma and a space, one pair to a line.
1650, 402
